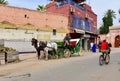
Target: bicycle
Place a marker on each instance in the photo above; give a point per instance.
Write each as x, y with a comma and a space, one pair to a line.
104, 58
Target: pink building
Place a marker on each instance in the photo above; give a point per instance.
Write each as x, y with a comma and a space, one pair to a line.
113, 36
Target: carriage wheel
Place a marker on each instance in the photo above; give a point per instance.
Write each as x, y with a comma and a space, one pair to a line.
67, 53
79, 52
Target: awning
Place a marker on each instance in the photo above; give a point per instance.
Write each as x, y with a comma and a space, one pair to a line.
79, 31
91, 33
75, 35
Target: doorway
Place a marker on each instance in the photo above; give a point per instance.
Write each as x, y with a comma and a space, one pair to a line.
117, 41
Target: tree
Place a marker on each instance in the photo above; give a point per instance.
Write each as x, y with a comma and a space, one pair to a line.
41, 8
3, 2
107, 21
101, 30
110, 14
105, 25
119, 11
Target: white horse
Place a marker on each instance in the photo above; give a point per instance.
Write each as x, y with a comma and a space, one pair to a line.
51, 46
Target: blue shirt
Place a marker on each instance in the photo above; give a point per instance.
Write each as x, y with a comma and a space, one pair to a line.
67, 38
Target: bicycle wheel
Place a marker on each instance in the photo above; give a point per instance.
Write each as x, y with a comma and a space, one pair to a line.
107, 59
101, 60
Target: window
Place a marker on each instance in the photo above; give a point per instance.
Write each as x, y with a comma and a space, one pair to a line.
25, 16
54, 31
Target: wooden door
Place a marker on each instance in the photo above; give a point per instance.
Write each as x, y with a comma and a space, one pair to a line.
117, 39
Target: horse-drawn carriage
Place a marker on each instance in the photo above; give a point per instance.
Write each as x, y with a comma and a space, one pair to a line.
48, 48
58, 49
72, 49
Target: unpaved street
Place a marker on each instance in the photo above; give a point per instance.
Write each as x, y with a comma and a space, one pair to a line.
29, 62
67, 69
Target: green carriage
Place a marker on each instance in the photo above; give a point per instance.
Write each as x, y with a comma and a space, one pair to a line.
72, 49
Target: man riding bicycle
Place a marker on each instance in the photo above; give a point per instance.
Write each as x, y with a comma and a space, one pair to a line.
105, 49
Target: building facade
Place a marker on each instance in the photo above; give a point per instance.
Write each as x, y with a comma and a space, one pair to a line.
113, 36
19, 25
81, 19
61, 17
23, 24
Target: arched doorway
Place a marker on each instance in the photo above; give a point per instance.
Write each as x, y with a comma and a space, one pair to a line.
117, 41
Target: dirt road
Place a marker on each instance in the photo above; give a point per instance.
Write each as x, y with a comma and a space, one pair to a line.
29, 63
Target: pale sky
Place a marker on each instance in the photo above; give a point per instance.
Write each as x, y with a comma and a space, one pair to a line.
98, 6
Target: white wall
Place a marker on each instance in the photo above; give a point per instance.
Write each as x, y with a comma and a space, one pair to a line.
20, 46
21, 39
17, 34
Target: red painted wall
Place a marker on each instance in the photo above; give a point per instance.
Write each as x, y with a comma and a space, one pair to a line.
51, 7
65, 9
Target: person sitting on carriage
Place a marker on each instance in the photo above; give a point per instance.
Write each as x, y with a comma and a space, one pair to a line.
67, 40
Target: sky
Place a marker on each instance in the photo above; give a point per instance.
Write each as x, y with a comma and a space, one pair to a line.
99, 7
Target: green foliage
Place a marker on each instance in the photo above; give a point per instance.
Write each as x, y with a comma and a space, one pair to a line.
105, 25
119, 11
107, 21
41, 8
3, 2
101, 30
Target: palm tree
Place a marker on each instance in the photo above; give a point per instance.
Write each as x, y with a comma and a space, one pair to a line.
119, 11
109, 16
3, 2
107, 21
41, 8
110, 13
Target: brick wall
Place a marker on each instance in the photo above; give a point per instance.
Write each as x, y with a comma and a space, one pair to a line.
22, 16
65, 10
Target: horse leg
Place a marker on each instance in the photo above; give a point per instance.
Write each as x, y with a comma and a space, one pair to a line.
41, 54
46, 53
38, 54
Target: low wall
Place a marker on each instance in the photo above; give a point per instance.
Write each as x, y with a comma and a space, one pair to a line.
11, 56
20, 46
